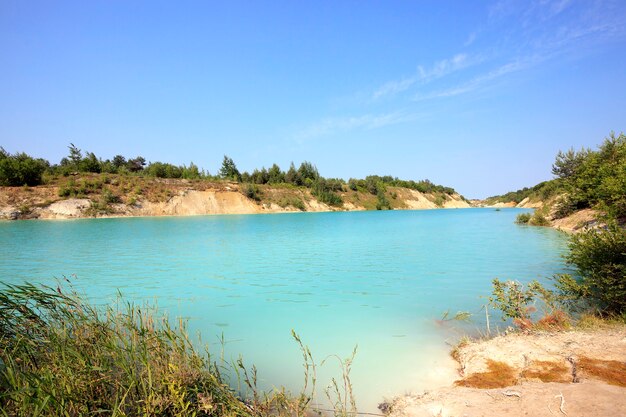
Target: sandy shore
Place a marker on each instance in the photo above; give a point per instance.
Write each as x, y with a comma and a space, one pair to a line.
568, 373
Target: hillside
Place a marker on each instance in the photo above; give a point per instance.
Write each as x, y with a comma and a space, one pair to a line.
118, 195
590, 185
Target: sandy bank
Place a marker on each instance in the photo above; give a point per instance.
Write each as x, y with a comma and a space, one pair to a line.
551, 374
183, 199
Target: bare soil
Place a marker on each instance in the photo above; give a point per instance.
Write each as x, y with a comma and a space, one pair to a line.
567, 373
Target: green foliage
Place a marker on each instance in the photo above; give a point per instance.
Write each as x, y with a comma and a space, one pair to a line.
90, 163
543, 191
109, 198
136, 164
307, 173
599, 256
517, 302
75, 156
163, 170
260, 177
596, 178
323, 191
291, 176
568, 164
512, 299
275, 175
252, 191
538, 219
381, 201
293, 202
61, 356
20, 169
523, 218
229, 170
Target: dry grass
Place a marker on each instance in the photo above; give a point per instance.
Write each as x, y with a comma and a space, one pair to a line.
499, 375
611, 372
548, 371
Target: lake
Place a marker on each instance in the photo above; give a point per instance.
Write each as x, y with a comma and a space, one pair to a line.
379, 280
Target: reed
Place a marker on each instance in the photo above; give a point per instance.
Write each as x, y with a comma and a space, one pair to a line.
61, 356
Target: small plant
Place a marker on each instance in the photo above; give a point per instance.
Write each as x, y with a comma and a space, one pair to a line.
523, 218
109, 198
340, 393
518, 303
294, 202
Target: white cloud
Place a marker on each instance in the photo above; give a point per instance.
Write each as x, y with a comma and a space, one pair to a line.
443, 68
424, 75
478, 81
329, 126
393, 87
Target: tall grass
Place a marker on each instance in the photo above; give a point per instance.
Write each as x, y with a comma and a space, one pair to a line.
60, 356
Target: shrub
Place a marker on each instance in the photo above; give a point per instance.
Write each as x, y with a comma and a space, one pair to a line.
518, 303
599, 256
109, 198
382, 203
565, 206
523, 218
293, 202
538, 219
252, 191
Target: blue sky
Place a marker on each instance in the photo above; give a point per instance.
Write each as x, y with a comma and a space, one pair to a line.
476, 95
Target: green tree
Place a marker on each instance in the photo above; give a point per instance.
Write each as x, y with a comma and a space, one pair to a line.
75, 156
136, 164
276, 176
119, 161
20, 169
567, 164
307, 173
229, 170
90, 163
292, 176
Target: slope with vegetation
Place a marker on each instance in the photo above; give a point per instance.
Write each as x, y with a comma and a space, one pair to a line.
589, 185
84, 185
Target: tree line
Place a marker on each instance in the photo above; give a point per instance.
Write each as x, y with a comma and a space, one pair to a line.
22, 169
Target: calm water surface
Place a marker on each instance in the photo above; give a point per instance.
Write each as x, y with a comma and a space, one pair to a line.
376, 279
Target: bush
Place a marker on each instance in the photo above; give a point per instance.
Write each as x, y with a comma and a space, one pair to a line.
252, 191
293, 202
518, 303
523, 218
538, 219
599, 256
382, 203
19, 169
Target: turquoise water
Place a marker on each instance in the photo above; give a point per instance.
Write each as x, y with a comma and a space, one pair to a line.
376, 279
